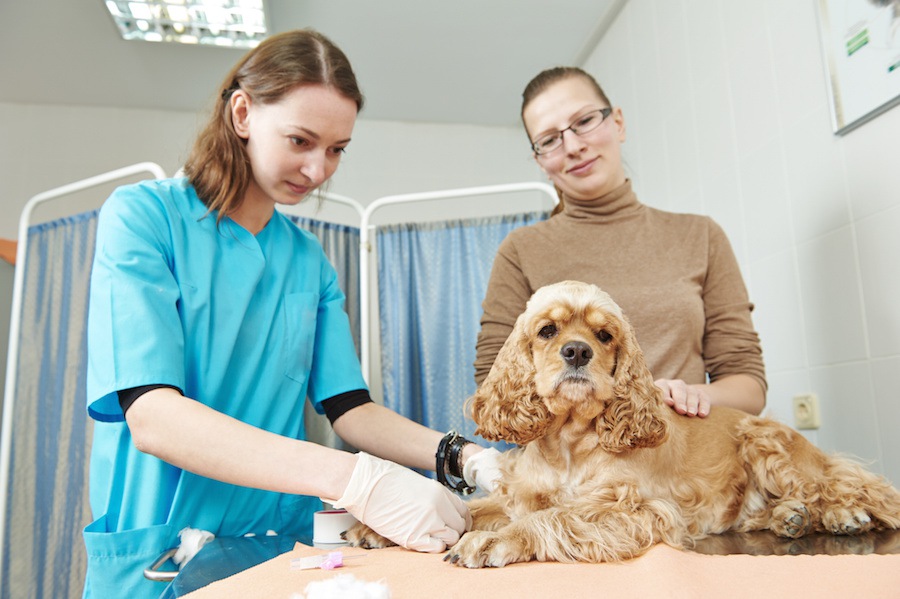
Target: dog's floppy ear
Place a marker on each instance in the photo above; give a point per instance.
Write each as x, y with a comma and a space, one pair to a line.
635, 417
506, 406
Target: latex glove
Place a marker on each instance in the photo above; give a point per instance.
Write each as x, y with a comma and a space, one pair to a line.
482, 470
407, 508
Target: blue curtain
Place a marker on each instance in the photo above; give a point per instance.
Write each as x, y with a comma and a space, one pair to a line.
47, 496
432, 279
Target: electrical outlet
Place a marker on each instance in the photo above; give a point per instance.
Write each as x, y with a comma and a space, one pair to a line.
806, 411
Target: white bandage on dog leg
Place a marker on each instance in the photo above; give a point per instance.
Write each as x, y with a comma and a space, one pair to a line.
482, 470
328, 525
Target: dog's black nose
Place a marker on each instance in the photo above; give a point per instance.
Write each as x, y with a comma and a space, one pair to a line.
576, 353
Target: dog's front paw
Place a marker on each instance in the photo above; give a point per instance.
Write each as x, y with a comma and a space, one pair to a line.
846, 521
360, 535
486, 549
791, 519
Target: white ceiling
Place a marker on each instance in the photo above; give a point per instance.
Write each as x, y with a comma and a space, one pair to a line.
462, 61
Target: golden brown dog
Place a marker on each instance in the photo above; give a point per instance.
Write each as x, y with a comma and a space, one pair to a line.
606, 469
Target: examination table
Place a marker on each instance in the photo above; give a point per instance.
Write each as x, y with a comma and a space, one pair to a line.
731, 565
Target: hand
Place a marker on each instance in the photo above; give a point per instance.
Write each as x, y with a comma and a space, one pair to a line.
407, 508
482, 470
687, 400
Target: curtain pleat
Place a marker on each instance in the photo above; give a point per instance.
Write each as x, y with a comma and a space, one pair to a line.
48, 505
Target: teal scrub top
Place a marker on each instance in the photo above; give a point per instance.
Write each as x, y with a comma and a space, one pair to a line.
248, 325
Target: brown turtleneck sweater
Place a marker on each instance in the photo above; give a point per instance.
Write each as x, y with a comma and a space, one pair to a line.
674, 275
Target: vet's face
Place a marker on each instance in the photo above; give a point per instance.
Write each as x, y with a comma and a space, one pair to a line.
574, 347
294, 144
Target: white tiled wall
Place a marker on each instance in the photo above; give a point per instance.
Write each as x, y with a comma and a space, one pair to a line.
727, 114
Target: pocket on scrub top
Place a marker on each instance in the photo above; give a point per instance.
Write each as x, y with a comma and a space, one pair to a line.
300, 311
116, 560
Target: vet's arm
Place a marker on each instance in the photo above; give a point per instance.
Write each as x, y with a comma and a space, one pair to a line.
380, 431
409, 509
196, 438
738, 391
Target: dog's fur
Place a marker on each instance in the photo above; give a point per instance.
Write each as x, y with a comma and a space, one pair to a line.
606, 469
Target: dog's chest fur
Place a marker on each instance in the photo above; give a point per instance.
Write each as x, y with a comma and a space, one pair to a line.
561, 470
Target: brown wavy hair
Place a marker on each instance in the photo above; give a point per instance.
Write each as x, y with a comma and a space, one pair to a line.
540, 83
218, 166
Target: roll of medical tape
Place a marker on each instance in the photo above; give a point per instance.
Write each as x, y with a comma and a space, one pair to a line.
328, 526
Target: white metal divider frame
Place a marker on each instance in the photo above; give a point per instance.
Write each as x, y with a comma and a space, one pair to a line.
365, 247
296, 209
16, 313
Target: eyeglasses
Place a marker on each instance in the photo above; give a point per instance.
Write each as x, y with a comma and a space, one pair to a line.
583, 124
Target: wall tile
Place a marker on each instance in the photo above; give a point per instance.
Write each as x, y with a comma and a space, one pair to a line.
886, 380
879, 258
816, 177
684, 167
764, 193
871, 153
797, 59
721, 195
706, 41
777, 316
848, 413
714, 127
675, 74
653, 175
645, 55
830, 299
752, 81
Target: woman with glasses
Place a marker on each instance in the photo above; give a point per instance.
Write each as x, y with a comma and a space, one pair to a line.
674, 275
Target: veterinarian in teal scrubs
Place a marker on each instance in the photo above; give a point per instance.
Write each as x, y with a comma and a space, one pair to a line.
213, 318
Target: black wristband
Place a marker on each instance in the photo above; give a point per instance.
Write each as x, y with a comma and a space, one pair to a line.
448, 463
454, 461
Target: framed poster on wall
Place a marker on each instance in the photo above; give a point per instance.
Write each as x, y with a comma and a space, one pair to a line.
861, 44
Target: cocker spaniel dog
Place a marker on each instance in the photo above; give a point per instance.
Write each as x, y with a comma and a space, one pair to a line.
605, 469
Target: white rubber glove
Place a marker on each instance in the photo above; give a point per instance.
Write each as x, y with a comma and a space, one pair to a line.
407, 508
482, 470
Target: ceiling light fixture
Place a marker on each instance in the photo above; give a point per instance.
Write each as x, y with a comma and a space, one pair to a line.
230, 23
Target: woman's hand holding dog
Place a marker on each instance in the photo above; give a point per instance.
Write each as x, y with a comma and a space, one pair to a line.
687, 400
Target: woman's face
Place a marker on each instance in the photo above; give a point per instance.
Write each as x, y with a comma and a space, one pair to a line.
585, 166
294, 144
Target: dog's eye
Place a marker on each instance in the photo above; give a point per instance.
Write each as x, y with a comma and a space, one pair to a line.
603, 336
548, 331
